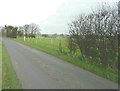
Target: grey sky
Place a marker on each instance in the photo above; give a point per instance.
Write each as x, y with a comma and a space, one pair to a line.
53, 16
58, 23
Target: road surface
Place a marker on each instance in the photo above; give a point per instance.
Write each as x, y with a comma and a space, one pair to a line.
38, 70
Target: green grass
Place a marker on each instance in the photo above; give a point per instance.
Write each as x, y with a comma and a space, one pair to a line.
0, 66
51, 46
9, 78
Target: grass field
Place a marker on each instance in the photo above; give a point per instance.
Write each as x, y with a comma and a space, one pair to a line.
9, 78
0, 65
51, 46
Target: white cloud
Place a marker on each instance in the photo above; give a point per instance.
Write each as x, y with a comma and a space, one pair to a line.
18, 12
67, 12
52, 15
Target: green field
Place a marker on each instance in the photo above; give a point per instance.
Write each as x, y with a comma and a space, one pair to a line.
0, 66
9, 78
51, 46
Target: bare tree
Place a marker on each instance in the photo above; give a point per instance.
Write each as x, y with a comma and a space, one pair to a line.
34, 28
25, 28
96, 36
31, 30
20, 31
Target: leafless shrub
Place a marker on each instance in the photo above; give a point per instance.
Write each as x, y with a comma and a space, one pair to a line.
96, 34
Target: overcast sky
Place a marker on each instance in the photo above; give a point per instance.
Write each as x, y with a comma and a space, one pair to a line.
52, 15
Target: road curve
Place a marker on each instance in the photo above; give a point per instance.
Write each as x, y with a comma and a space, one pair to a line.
38, 70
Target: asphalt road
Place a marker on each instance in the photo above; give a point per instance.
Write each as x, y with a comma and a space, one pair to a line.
38, 70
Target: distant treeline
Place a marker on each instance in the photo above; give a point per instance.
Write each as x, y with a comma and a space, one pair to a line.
29, 31
54, 35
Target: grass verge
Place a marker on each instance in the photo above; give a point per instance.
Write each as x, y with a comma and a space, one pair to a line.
74, 60
9, 78
0, 65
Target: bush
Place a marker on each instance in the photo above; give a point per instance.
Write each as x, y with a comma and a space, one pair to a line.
96, 34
